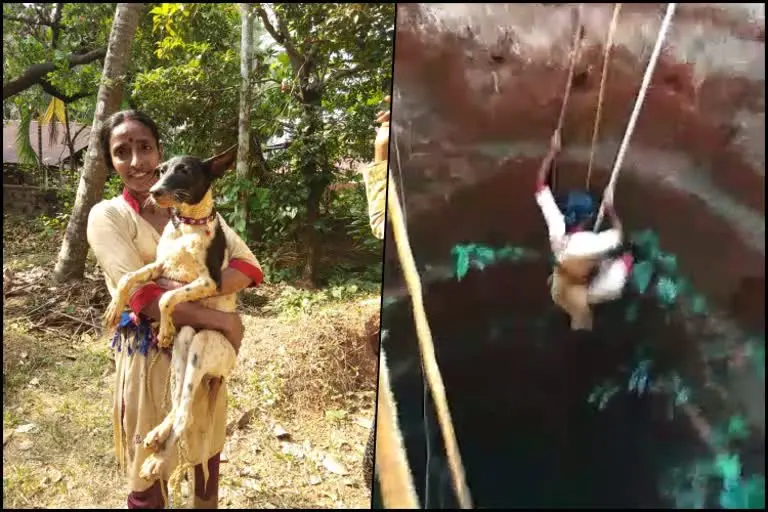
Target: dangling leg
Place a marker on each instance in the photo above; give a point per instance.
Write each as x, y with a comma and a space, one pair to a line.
572, 298
155, 439
610, 280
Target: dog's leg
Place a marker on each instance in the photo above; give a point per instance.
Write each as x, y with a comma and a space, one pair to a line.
198, 289
198, 362
126, 283
155, 439
210, 354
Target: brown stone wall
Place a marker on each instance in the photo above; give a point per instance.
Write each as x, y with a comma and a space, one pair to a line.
27, 200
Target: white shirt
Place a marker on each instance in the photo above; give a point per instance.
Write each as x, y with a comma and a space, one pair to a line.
577, 245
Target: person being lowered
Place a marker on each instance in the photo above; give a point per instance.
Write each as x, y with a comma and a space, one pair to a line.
587, 269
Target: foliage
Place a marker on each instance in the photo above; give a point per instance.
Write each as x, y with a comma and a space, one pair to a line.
293, 301
349, 207
185, 74
688, 486
480, 256
85, 27
656, 275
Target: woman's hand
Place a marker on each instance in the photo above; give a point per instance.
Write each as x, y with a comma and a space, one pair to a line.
232, 327
381, 145
169, 284
234, 331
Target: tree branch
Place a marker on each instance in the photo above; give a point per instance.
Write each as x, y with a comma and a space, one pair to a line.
24, 19
83, 127
35, 73
31, 21
345, 73
53, 91
56, 24
281, 35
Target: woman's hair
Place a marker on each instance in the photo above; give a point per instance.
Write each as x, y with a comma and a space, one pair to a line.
116, 120
577, 207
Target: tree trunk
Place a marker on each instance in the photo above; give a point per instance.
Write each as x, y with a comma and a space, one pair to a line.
311, 239
70, 142
315, 177
244, 124
74, 248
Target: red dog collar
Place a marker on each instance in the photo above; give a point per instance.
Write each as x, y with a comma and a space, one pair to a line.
195, 222
176, 218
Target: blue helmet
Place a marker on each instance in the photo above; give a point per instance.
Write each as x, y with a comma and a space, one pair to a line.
577, 206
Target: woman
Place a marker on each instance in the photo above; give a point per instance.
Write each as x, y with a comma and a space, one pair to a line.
586, 270
123, 233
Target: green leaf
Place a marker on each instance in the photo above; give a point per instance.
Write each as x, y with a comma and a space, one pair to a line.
749, 495
486, 255
737, 428
666, 291
699, 305
667, 263
647, 244
240, 225
462, 262
728, 467
641, 275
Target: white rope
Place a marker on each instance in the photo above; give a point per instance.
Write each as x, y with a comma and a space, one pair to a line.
636, 112
426, 345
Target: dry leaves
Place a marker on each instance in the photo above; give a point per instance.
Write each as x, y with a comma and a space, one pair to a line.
68, 309
334, 466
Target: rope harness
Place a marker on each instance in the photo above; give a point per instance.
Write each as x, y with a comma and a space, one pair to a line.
636, 112
578, 34
601, 94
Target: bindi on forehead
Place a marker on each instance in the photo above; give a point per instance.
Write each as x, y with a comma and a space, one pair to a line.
131, 140
124, 142
132, 130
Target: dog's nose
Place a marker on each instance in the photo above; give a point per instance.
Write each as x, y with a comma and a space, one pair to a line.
156, 191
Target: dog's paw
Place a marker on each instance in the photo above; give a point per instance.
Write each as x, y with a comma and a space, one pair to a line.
111, 315
156, 438
166, 334
153, 467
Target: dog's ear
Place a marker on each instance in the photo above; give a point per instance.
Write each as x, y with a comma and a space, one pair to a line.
222, 162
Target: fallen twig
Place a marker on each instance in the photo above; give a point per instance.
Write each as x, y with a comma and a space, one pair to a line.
38, 308
13, 291
79, 320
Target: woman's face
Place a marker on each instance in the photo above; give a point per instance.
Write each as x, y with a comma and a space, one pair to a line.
135, 154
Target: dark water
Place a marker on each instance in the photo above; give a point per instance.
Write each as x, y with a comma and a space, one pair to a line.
518, 380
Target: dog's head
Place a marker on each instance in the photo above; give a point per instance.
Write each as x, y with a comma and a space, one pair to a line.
185, 180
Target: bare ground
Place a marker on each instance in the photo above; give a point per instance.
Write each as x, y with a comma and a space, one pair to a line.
300, 406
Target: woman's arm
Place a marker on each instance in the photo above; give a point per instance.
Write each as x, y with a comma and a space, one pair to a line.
544, 198
199, 317
244, 270
546, 164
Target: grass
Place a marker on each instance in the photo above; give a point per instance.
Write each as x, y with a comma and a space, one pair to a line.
306, 369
